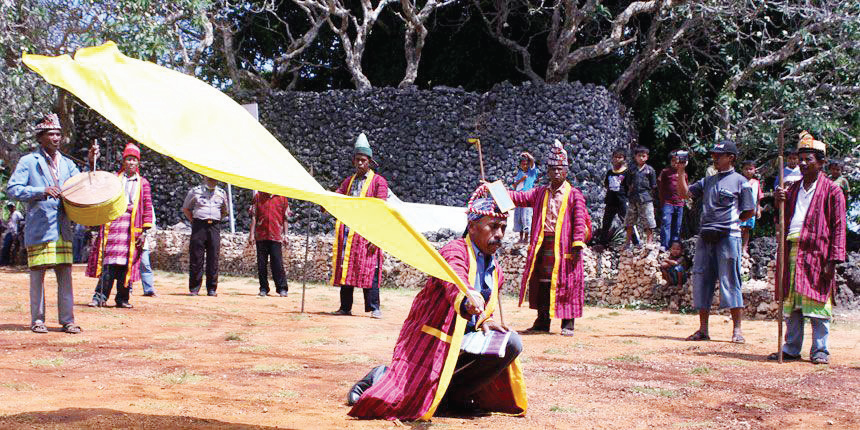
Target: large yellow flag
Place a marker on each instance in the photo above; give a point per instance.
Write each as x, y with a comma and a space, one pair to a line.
195, 124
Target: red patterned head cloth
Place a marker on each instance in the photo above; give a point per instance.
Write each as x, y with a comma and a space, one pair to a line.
131, 149
481, 204
49, 122
807, 142
557, 155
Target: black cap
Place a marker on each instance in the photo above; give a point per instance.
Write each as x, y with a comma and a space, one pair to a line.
725, 146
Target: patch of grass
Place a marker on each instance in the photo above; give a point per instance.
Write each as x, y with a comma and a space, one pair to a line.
276, 368
319, 341
555, 351
158, 405
156, 355
661, 392
695, 383
233, 336
357, 358
297, 317
183, 324
317, 329
628, 358
73, 341
614, 313
286, 394
18, 386
253, 348
629, 342
760, 406
701, 370
563, 409
181, 377
173, 337
694, 424
48, 362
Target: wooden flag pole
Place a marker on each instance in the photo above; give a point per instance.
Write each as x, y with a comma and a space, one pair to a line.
780, 239
305, 265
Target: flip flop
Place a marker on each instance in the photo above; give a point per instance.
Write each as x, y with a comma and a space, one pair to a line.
738, 339
72, 328
698, 336
39, 327
774, 356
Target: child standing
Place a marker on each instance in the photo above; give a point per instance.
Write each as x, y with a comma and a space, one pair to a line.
616, 196
640, 185
748, 169
671, 203
835, 170
524, 181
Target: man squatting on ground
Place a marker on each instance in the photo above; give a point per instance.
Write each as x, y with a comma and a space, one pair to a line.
429, 371
727, 200
815, 244
48, 232
560, 228
205, 206
115, 255
355, 261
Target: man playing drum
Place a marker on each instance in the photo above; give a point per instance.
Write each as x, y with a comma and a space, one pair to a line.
48, 233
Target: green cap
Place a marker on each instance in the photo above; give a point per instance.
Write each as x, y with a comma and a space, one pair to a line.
362, 146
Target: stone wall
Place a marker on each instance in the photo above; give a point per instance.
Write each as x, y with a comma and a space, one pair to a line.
418, 139
629, 278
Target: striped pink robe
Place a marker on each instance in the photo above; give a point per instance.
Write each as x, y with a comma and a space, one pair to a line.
822, 238
363, 256
409, 387
567, 290
141, 217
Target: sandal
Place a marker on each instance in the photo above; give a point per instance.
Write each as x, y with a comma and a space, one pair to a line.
72, 328
820, 358
736, 338
774, 356
39, 327
697, 336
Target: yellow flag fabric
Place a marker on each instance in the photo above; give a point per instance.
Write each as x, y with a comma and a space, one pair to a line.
200, 127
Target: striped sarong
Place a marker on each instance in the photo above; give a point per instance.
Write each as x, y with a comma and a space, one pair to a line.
793, 301
50, 253
541, 280
116, 249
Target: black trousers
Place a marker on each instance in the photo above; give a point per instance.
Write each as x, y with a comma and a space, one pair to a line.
371, 295
543, 320
113, 273
473, 372
205, 242
609, 214
269, 252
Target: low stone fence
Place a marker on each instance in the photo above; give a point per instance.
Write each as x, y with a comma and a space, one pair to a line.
629, 278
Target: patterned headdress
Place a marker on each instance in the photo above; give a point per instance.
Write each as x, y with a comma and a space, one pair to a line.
807, 142
481, 204
362, 146
49, 122
131, 149
557, 155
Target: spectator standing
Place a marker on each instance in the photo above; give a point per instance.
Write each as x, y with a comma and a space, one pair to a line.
791, 170
205, 206
835, 170
640, 185
36, 180
671, 203
748, 169
11, 233
269, 231
524, 181
616, 196
355, 261
726, 201
815, 241
115, 255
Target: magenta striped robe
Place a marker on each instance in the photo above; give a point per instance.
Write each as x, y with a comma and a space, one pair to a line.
364, 257
141, 218
822, 238
568, 289
408, 389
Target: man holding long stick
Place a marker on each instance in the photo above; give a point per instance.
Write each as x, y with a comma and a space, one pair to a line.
815, 239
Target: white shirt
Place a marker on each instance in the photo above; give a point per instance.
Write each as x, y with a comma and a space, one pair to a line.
804, 198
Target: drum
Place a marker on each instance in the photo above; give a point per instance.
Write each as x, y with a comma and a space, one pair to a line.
94, 198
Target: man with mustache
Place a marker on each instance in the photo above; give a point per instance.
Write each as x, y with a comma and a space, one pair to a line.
815, 241
355, 261
48, 232
433, 367
115, 255
560, 228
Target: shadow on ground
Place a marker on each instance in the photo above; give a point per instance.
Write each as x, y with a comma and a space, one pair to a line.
78, 418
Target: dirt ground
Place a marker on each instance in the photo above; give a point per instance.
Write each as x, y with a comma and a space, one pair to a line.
242, 361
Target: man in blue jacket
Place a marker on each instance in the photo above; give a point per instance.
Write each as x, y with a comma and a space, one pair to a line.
37, 181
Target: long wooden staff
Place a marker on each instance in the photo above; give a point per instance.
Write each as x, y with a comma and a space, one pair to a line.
477, 143
305, 265
780, 238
